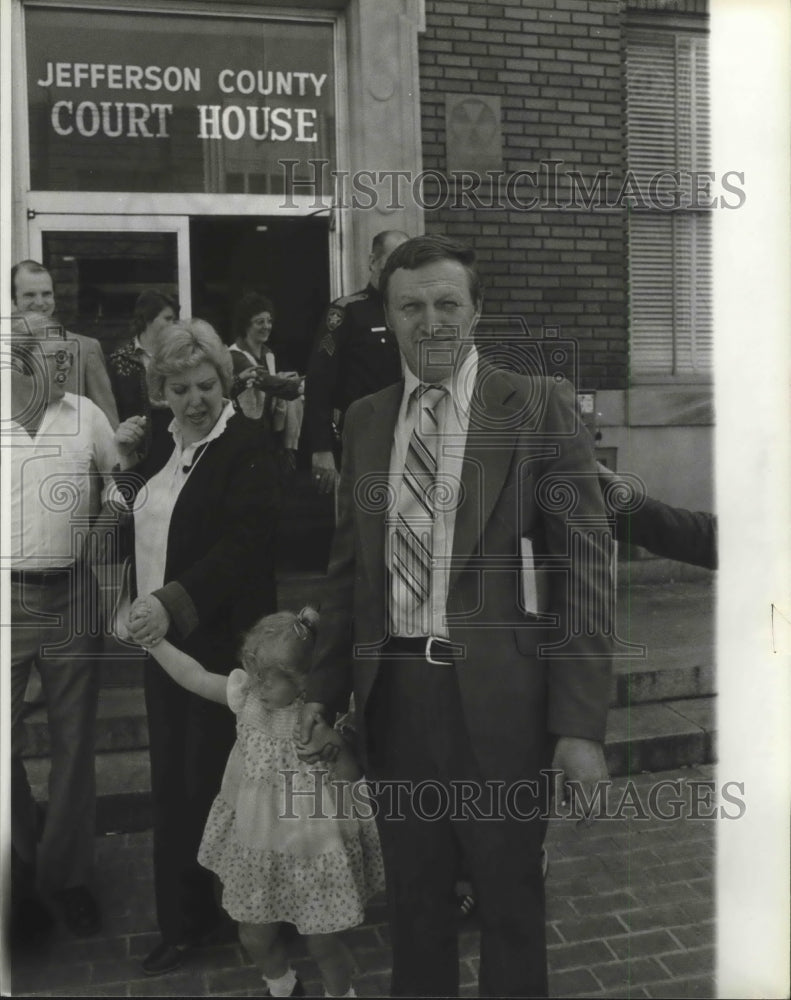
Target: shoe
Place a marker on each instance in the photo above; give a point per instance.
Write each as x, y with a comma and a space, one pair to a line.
164, 958
79, 910
31, 922
298, 991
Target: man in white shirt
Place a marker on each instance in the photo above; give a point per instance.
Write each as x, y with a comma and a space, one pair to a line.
54, 445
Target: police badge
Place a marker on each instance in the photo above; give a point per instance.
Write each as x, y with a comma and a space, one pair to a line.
334, 317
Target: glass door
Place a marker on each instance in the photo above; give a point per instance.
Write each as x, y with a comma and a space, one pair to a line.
100, 264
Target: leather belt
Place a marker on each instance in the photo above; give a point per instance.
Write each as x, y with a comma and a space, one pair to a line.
434, 649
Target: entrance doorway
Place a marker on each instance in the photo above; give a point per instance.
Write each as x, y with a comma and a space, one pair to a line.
100, 264
286, 259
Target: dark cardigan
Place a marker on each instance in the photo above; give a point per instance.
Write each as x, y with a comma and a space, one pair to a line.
219, 569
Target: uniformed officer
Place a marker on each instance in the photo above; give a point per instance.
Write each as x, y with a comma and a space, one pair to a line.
355, 354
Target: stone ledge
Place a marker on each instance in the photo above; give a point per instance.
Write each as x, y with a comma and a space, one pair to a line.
657, 737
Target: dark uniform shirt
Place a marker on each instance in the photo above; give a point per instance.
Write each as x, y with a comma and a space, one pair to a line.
355, 354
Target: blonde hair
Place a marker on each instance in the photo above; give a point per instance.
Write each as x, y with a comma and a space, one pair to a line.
185, 345
283, 641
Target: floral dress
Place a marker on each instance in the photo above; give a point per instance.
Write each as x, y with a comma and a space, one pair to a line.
287, 842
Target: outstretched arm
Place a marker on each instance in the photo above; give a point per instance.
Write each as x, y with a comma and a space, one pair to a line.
672, 532
189, 673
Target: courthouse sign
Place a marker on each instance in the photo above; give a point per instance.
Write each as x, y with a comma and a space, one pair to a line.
110, 109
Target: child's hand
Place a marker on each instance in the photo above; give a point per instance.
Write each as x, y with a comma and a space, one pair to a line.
140, 609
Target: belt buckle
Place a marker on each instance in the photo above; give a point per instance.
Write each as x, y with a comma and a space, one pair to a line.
429, 658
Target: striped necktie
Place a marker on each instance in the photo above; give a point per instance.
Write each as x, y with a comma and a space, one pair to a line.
412, 526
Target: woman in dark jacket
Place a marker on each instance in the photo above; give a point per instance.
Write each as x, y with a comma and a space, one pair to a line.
204, 518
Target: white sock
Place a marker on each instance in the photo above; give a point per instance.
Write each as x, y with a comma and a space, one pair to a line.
349, 993
283, 986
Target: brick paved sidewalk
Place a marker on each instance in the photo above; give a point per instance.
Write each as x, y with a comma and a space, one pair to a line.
629, 907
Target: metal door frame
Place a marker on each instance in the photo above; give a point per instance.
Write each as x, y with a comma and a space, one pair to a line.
50, 222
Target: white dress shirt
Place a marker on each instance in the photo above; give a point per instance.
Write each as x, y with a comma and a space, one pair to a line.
51, 481
453, 418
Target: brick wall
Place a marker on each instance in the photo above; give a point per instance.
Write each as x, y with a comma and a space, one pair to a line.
698, 7
556, 66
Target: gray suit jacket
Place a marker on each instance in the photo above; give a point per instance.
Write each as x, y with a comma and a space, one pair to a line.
88, 375
528, 467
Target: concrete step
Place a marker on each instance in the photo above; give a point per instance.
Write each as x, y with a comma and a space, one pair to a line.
662, 697
655, 737
122, 725
652, 737
641, 567
123, 789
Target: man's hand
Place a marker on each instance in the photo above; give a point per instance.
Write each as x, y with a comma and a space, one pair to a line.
312, 712
324, 743
148, 621
580, 761
324, 471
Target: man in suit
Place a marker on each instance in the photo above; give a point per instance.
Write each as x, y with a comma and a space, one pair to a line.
463, 697
32, 291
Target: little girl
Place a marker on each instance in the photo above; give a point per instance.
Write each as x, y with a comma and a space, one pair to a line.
281, 835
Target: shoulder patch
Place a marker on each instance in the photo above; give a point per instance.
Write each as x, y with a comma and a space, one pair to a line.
347, 300
335, 315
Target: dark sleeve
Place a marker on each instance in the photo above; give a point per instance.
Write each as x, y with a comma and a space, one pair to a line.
130, 388
236, 567
239, 361
579, 654
97, 381
321, 381
670, 532
330, 679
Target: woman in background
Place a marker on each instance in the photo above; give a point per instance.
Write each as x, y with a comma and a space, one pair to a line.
273, 398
